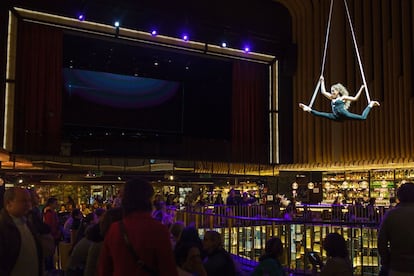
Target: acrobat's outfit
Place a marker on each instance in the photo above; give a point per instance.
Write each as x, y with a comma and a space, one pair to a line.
340, 113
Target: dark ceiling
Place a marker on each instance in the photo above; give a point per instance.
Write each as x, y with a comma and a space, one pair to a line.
265, 24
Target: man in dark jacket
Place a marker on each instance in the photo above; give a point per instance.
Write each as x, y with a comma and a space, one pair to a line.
20, 251
218, 261
395, 236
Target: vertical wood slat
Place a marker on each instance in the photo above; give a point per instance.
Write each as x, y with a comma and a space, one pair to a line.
396, 38
384, 32
378, 77
367, 58
407, 71
387, 109
318, 44
394, 81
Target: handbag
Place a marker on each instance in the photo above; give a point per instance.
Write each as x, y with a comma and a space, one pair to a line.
131, 249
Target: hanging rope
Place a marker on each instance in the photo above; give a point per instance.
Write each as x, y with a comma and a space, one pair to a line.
357, 51
318, 85
328, 28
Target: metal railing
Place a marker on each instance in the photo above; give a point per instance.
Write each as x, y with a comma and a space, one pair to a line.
246, 229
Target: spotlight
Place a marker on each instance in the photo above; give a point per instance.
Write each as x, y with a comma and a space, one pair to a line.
81, 17
154, 33
224, 44
185, 37
246, 49
116, 24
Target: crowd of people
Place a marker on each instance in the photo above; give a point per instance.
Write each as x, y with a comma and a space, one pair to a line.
139, 237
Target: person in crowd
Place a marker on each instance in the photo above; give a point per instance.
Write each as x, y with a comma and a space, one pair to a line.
355, 210
71, 225
96, 235
340, 102
50, 217
86, 209
245, 199
232, 198
337, 209
41, 229
176, 229
160, 213
170, 200
290, 211
218, 261
20, 250
99, 213
86, 222
78, 256
396, 237
34, 215
372, 210
269, 262
190, 235
219, 200
138, 243
117, 202
253, 199
338, 262
70, 203
188, 260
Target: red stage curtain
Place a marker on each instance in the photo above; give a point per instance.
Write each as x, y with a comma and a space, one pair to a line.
38, 98
250, 112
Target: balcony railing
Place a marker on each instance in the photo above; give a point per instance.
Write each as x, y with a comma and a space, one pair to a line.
245, 230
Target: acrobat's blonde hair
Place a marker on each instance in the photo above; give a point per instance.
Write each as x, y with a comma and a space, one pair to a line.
342, 91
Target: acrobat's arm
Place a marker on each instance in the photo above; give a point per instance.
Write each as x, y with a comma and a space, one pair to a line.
356, 97
323, 88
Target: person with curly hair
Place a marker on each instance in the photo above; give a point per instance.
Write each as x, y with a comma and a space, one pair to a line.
340, 102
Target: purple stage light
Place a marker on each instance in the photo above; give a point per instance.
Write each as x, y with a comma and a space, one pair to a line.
246, 49
81, 17
154, 33
185, 37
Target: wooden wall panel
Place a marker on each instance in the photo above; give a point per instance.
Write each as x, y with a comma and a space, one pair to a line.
385, 36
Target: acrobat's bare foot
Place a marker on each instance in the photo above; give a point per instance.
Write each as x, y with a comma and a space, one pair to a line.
305, 107
374, 103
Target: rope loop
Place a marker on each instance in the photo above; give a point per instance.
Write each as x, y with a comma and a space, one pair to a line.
355, 44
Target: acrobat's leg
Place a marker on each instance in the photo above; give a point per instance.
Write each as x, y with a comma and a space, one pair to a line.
352, 116
329, 116
364, 114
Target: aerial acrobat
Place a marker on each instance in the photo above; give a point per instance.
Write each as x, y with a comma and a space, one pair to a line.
339, 95
340, 102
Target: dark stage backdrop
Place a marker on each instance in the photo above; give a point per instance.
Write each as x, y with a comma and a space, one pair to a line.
221, 100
